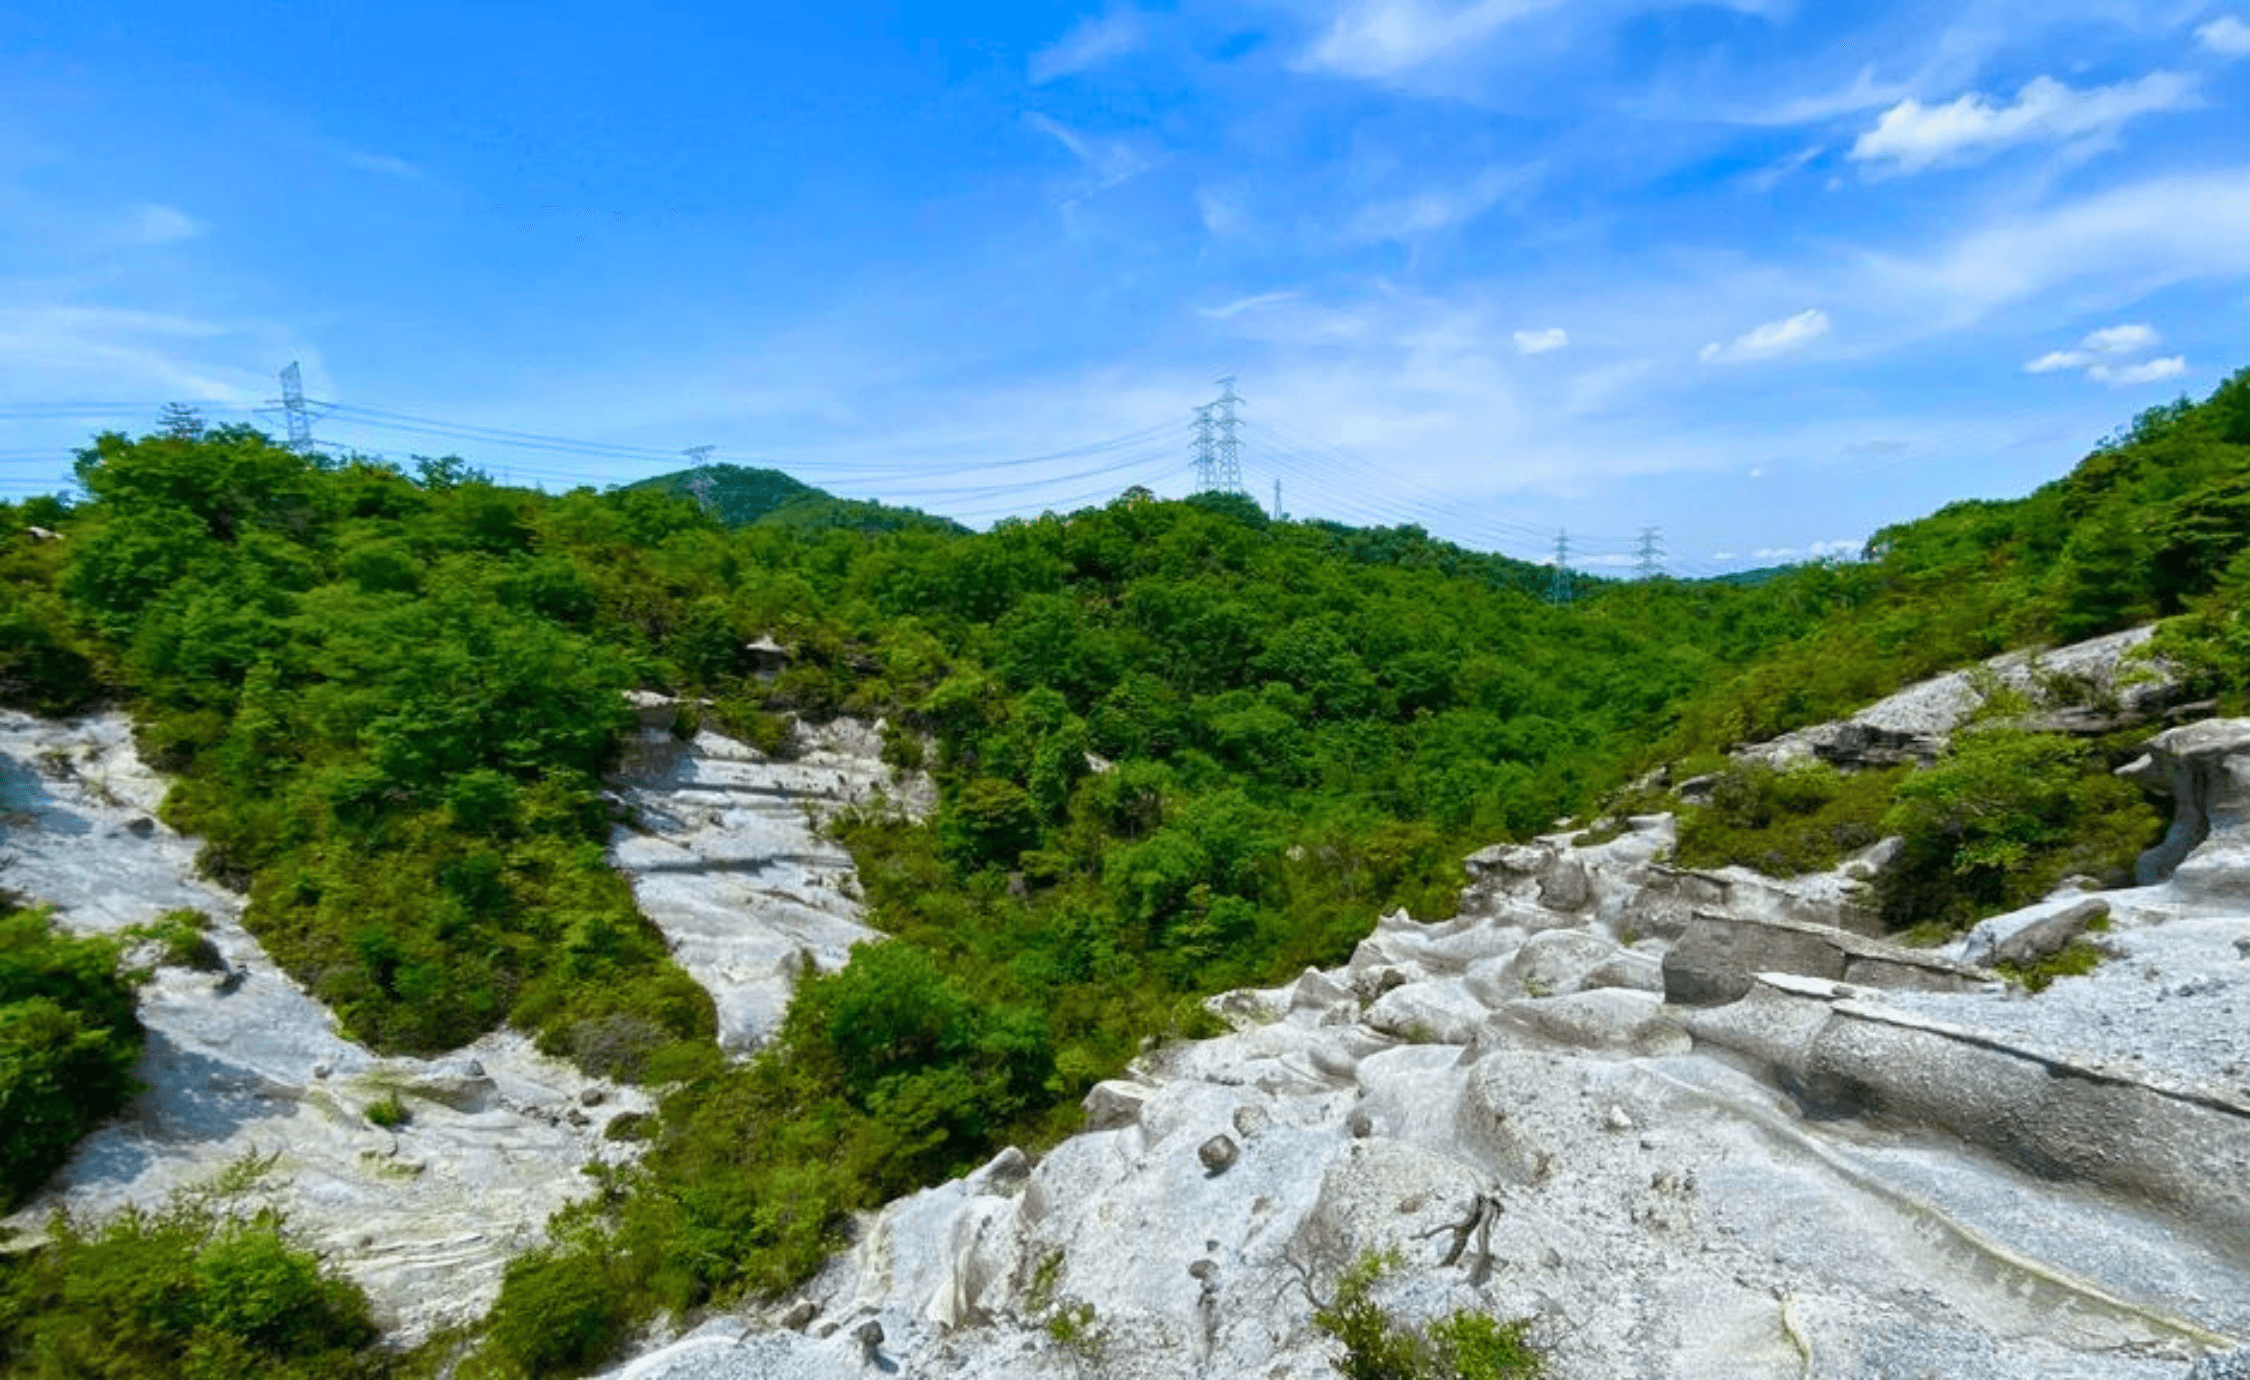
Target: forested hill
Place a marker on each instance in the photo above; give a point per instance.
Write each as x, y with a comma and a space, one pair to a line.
1179, 747
739, 496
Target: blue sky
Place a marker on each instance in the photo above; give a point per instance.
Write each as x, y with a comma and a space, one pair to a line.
1765, 275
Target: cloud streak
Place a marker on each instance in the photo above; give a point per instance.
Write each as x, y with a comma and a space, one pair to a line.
1092, 42
1911, 137
1770, 341
1541, 342
1381, 39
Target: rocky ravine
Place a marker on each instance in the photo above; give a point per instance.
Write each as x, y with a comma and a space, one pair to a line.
243, 1062
1746, 1143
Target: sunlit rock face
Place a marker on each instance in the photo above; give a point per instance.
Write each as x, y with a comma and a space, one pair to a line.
240, 1062
1841, 1160
724, 848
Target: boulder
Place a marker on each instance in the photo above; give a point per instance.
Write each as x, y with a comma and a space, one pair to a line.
1720, 956
2035, 940
1113, 1103
1557, 961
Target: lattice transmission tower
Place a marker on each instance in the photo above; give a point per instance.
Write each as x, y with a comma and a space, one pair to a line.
296, 413
1558, 583
1227, 451
1651, 562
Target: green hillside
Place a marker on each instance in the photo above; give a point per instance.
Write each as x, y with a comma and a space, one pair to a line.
1179, 747
739, 496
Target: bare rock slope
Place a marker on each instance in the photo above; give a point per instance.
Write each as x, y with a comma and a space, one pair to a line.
724, 855
1840, 1160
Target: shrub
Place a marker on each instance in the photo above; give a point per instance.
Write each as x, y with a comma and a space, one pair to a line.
1465, 1346
68, 1043
184, 1291
2003, 818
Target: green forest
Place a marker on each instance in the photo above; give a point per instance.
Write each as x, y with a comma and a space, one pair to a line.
1179, 746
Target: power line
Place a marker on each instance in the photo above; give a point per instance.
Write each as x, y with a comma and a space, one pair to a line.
1558, 584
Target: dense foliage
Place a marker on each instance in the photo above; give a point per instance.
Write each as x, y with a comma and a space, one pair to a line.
189, 1292
68, 1043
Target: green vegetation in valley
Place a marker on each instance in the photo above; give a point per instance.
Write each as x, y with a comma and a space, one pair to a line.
68, 1043
1179, 747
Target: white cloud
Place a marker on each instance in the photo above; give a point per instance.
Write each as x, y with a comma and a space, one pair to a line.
160, 225
1911, 136
2227, 36
1540, 342
2148, 371
1383, 38
1093, 41
2127, 339
1770, 341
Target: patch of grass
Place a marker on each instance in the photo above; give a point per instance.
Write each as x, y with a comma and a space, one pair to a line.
389, 1111
2075, 959
1465, 1346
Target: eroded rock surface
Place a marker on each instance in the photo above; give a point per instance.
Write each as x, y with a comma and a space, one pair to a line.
1819, 1177
242, 1062
725, 853
2090, 686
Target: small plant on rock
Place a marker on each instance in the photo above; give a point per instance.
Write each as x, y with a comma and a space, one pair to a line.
1466, 1346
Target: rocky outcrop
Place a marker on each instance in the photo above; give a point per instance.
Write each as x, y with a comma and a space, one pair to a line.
2205, 768
725, 852
1845, 1175
2096, 686
1719, 957
241, 1063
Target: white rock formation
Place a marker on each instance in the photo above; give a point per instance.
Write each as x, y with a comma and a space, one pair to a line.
1915, 722
1822, 1178
725, 854
244, 1063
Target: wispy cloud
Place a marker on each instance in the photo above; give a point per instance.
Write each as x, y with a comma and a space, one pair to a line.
1911, 137
2104, 355
1541, 342
1111, 161
2122, 242
1770, 341
1093, 41
2227, 36
384, 164
1384, 38
60, 349
160, 225
1230, 310
1440, 208
2147, 371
